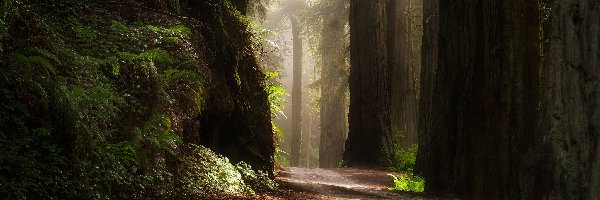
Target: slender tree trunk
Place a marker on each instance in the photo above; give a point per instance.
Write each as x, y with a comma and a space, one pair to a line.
296, 95
403, 95
333, 108
307, 134
369, 140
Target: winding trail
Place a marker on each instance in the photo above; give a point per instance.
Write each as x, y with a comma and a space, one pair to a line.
337, 183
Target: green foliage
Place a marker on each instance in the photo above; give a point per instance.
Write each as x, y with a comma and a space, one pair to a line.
342, 164
109, 167
184, 87
147, 59
171, 35
158, 134
93, 108
96, 111
404, 159
258, 180
33, 60
408, 183
205, 172
84, 33
280, 157
275, 93
10, 13
38, 162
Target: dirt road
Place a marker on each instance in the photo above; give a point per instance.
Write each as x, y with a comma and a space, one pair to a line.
338, 183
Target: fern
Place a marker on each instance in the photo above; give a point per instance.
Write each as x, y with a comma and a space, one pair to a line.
34, 60
146, 59
159, 133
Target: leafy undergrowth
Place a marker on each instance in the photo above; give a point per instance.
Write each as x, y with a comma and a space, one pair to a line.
404, 163
408, 183
404, 159
94, 98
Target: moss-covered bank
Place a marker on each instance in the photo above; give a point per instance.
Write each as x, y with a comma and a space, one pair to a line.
110, 99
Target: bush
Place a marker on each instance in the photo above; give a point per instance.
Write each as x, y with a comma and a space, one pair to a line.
204, 173
257, 180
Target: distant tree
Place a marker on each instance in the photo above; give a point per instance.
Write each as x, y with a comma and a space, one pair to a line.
290, 12
405, 69
296, 93
333, 86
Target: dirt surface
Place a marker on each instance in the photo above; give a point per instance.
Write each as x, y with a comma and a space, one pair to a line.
338, 183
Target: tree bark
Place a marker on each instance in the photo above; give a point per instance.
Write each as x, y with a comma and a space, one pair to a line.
369, 140
489, 128
476, 106
569, 153
333, 98
434, 155
296, 95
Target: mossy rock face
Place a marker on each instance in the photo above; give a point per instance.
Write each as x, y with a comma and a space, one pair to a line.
98, 98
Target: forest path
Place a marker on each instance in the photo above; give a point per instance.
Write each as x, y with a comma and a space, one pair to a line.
337, 183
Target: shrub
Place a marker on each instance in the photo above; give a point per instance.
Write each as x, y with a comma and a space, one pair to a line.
258, 180
205, 173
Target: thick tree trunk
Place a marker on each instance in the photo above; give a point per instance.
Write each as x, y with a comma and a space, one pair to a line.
487, 132
475, 110
369, 140
333, 98
569, 162
435, 156
296, 95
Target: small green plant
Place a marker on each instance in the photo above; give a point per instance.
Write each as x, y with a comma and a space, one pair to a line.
404, 159
342, 164
408, 183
